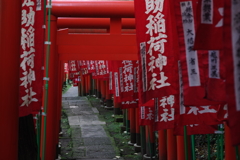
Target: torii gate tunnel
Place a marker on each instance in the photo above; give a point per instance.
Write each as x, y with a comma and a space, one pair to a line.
88, 30
80, 30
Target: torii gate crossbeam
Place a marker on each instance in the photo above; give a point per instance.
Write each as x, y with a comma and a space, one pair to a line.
96, 46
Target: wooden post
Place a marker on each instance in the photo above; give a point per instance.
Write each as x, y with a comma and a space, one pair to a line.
150, 142
98, 89
132, 125
117, 107
162, 145
10, 33
103, 91
180, 148
137, 145
86, 84
171, 145
230, 153
60, 68
83, 83
52, 121
109, 101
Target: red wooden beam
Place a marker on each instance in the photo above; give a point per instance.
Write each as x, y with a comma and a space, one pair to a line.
97, 40
97, 56
92, 23
104, 9
87, 31
123, 31
96, 46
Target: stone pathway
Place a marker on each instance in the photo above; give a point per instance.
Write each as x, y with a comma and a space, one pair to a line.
85, 137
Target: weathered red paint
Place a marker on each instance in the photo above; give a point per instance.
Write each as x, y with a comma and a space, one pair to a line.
10, 33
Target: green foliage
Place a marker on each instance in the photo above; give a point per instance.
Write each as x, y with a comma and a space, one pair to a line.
64, 120
69, 132
66, 87
133, 157
201, 146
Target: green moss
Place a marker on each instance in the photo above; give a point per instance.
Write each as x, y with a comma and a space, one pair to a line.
66, 88
113, 129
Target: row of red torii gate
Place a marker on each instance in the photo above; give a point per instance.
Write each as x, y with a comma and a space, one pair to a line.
75, 30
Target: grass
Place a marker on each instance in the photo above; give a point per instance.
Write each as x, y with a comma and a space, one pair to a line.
66, 88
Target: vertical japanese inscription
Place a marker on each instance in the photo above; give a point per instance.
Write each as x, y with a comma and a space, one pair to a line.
88, 65
96, 66
144, 67
181, 98
92, 65
213, 61
116, 84
121, 79
135, 80
27, 53
110, 80
166, 104
156, 109
39, 5
142, 112
156, 29
102, 67
207, 12
127, 75
235, 23
189, 36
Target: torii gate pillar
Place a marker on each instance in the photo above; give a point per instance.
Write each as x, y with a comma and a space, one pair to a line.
10, 33
53, 98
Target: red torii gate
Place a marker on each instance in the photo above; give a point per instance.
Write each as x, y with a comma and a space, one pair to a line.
10, 33
10, 20
68, 46
111, 15
114, 44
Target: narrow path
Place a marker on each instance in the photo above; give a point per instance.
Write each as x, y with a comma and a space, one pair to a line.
84, 137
